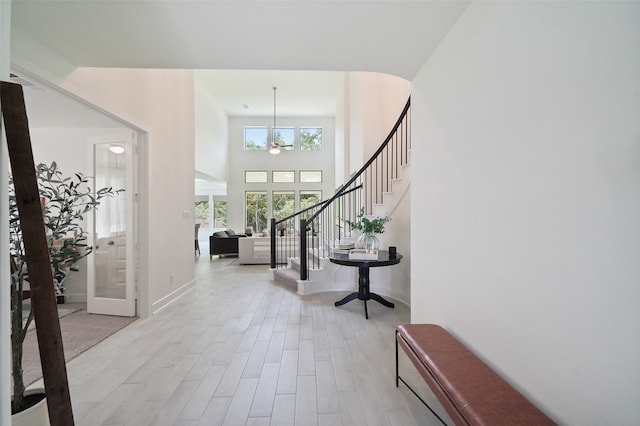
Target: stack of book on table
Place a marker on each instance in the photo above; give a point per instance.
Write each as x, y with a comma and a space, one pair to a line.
363, 254
344, 247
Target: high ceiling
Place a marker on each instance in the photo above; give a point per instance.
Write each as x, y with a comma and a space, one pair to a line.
392, 36
250, 92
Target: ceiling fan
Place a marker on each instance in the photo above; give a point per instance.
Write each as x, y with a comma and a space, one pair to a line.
275, 146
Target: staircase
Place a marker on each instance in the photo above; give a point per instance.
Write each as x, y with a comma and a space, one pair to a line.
290, 276
381, 187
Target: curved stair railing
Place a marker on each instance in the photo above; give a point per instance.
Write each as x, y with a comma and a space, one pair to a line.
285, 232
322, 227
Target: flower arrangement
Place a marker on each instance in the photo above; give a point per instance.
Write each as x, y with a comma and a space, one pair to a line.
366, 225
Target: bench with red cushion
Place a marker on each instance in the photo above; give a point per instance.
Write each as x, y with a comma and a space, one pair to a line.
470, 391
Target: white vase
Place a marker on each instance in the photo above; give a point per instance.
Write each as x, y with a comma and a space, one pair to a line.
37, 415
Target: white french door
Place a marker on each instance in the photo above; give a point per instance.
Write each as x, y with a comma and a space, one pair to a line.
111, 266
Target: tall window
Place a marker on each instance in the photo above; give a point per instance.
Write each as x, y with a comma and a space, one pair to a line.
202, 213
309, 198
255, 138
256, 210
311, 138
220, 214
284, 204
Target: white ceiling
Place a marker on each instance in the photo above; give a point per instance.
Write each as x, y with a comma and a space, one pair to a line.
250, 92
390, 36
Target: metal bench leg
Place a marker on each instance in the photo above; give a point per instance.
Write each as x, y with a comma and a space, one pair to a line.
400, 379
397, 367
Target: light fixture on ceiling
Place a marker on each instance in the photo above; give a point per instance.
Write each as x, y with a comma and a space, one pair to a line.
275, 149
275, 146
116, 149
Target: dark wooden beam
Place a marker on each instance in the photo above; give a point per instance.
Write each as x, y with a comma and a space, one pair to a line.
43, 300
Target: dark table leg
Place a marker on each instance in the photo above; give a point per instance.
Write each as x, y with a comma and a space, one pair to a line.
382, 300
363, 288
347, 299
363, 293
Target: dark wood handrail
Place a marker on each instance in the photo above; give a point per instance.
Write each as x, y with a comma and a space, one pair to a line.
368, 163
318, 204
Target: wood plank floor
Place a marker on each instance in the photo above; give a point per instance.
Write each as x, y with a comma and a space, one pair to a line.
241, 350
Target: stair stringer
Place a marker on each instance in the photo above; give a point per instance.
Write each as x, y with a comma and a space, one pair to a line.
329, 277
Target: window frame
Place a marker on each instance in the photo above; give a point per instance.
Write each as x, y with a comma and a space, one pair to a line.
302, 180
274, 130
304, 128
255, 226
258, 147
280, 192
284, 172
265, 172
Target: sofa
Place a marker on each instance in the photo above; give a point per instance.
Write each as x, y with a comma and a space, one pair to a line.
224, 243
257, 250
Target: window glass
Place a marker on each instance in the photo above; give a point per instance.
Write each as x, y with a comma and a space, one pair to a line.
280, 176
220, 214
284, 136
202, 213
309, 176
311, 138
255, 176
255, 138
309, 198
256, 210
284, 204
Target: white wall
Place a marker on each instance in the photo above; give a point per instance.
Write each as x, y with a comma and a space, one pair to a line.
212, 135
526, 126
383, 99
375, 103
341, 156
241, 159
162, 103
395, 281
5, 322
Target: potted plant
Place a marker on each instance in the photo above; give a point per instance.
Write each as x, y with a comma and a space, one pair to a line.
65, 201
369, 227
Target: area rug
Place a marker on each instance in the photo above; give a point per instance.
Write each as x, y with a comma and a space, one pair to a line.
63, 311
80, 331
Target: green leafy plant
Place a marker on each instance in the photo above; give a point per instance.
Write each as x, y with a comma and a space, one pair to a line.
65, 201
367, 225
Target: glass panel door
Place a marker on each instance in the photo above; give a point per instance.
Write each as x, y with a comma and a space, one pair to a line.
111, 286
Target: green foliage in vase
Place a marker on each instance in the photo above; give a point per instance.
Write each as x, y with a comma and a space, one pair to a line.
368, 225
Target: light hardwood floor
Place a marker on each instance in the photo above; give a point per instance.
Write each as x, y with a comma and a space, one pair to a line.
239, 349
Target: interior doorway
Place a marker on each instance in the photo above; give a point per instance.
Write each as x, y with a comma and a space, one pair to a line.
111, 278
